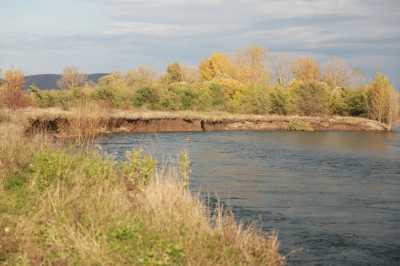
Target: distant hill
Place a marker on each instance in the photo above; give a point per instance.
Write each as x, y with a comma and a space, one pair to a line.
49, 81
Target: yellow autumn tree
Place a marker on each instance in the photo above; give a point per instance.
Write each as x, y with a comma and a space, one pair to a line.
306, 69
174, 73
218, 65
383, 104
250, 66
14, 79
11, 94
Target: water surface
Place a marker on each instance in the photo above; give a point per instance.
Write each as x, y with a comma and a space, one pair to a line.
333, 197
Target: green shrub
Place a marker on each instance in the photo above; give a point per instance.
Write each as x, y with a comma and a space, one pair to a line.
337, 102
146, 96
356, 103
139, 168
251, 100
311, 98
279, 101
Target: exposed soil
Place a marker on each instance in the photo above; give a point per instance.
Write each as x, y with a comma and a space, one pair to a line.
179, 124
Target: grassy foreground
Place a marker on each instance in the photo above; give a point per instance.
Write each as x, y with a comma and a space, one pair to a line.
67, 205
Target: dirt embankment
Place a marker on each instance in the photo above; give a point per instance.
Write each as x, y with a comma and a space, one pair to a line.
195, 122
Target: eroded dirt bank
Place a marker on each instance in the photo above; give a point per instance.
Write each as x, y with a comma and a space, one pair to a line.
196, 122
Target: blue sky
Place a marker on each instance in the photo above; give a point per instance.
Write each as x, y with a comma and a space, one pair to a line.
44, 36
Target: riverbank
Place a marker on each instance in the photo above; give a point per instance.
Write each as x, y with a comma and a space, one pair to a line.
67, 204
117, 121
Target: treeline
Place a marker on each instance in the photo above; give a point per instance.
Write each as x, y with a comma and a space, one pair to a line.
248, 82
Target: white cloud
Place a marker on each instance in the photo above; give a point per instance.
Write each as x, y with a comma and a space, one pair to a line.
149, 29
164, 30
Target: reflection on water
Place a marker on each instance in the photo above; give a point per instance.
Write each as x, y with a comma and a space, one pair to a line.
334, 197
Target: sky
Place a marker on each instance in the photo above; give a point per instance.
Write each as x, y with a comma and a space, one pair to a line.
44, 36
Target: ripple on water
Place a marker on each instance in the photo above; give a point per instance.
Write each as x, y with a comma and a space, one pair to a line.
333, 197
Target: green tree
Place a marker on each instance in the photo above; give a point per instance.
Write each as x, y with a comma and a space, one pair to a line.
356, 103
337, 101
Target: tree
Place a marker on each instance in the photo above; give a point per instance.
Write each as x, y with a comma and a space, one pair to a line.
141, 76
190, 74
382, 100
72, 78
14, 79
337, 101
174, 73
281, 70
337, 73
306, 69
311, 98
218, 65
250, 66
279, 101
11, 94
357, 102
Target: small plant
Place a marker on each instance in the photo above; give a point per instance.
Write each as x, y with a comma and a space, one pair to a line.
184, 169
139, 168
300, 125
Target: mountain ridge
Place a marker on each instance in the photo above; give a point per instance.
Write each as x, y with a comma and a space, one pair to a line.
49, 81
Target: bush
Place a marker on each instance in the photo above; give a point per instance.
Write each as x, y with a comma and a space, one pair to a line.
356, 103
13, 98
279, 101
337, 102
184, 94
113, 97
146, 96
310, 98
251, 100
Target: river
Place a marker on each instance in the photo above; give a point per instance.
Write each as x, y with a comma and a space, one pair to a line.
333, 197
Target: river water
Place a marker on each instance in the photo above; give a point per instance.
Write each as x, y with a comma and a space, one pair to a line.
333, 197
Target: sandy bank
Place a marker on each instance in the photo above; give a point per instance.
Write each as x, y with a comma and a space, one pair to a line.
141, 122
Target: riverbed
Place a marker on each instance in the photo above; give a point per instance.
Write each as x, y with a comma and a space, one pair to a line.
333, 197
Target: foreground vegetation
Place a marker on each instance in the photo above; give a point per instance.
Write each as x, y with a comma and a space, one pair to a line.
67, 204
249, 82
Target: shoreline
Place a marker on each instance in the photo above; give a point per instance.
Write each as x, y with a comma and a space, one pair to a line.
116, 121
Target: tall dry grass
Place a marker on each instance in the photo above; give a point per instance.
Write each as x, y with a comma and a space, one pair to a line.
67, 206
167, 201
85, 122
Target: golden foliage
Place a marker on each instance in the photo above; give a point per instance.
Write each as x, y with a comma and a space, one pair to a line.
306, 69
11, 94
218, 65
382, 100
14, 78
250, 65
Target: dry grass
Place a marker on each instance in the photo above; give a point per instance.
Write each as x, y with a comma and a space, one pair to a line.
87, 121
63, 206
168, 202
